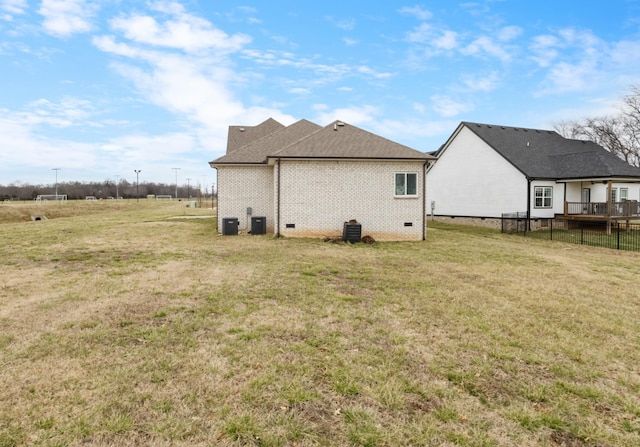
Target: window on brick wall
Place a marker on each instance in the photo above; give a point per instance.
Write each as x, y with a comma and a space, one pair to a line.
406, 184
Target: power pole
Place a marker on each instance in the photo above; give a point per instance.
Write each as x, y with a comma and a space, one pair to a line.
137, 171
176, 169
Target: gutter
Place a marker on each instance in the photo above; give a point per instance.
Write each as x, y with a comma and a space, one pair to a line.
278, 200
528, 227
213, 193
424, 200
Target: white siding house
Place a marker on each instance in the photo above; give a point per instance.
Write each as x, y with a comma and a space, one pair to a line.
484, 171
309, 180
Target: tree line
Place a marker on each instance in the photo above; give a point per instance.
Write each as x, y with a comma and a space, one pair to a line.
619, 133
100, 190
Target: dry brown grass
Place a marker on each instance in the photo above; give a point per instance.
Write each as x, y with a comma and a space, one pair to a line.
124, 326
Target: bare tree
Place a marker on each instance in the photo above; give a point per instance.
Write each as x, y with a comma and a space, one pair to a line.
619, 134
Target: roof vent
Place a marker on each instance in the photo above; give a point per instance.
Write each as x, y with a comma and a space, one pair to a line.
241, 129
340, 123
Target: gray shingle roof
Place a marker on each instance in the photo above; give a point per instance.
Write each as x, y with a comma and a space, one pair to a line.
545, 154
341, 140
305, 139
239, 136
258, 150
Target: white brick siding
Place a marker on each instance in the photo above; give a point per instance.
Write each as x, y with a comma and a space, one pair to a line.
319, 196
242, 187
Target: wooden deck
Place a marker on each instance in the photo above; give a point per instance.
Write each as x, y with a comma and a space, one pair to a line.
603, 211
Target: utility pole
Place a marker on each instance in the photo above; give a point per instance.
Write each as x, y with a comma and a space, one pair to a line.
176, 169
137, 171
117, 180
188, 196
56, 169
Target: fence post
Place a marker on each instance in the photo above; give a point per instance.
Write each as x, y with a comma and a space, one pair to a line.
618, 227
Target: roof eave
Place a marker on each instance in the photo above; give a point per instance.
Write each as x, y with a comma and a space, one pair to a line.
307, 157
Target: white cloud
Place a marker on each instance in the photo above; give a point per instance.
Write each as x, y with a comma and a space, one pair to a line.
299, 91
68, 112
373, 73
545, 49
420, 34
447, 107
356, 116
63, 18
18, 132
420, 108
182, 31
484, 45
343, 24
415, 129
480, 83
323, 73
447, 41
567, 77
574, 60
509, 33
416, 11
199, 87
13, 6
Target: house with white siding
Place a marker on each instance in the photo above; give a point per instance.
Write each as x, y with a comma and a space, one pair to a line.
307, 181
484, 171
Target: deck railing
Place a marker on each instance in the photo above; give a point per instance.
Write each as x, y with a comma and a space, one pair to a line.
628, 208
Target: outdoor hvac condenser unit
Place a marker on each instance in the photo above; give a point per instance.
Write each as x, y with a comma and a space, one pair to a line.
258, 225
352, 232
229, 226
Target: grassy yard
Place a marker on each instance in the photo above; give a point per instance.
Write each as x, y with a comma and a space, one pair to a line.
128, 324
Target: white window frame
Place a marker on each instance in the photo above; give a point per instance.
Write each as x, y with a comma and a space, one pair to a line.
624, 194
404, 193
543, 197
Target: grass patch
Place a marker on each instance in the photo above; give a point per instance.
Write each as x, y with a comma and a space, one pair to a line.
128, 327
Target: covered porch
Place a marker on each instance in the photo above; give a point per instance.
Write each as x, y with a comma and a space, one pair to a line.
627, 210
620, 200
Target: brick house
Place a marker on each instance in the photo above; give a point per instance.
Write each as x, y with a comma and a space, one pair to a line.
307, 180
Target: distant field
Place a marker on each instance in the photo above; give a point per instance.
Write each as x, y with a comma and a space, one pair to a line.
127, 324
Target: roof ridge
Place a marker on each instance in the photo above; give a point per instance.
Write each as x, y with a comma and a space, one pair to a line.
516, 128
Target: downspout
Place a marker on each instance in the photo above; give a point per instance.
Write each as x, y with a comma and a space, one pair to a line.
278, 200
609, 205
528, 226
424, 200
217, 203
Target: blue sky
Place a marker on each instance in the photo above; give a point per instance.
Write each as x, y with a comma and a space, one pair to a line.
100, 88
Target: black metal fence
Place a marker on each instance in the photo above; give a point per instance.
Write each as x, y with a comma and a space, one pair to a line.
618, 235
515, 222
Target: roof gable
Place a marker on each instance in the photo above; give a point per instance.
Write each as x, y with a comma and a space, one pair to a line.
341, 140
239, 136
257, 151
546, 154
